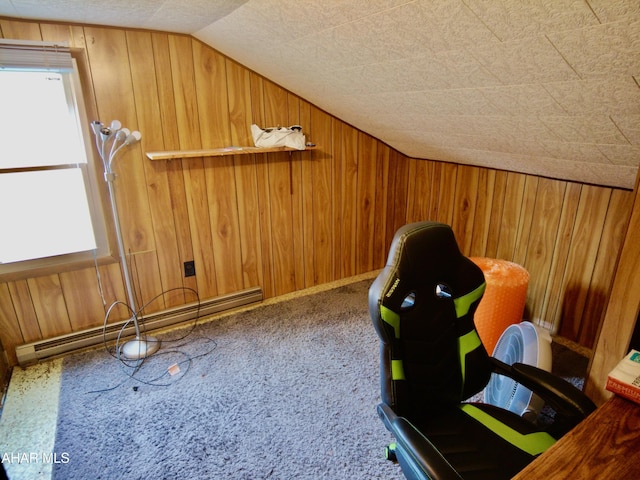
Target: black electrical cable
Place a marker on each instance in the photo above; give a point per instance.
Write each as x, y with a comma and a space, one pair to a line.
136, 365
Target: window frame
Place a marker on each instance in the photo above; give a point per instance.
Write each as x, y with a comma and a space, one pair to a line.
97, 197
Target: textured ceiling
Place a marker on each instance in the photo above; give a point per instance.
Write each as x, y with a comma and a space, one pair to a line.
548, 87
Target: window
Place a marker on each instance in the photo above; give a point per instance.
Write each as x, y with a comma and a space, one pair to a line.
49, 207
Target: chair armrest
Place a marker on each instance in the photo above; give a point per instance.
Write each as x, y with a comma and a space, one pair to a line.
567, 400
427, 462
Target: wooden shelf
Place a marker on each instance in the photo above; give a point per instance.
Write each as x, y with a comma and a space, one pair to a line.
219, 152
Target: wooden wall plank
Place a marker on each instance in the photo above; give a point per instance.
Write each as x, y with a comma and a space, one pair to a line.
241, 117
421, 198
262, 172
365, 204
198, 214
146, 284
305, 192
25, 311
348, 208
9, 325
412, 182
280, 193
264, 203
482, 214
397, 186
143, 75
20, 30
337, 153
49, 305
447, 177
85, 307
297, 111
185, 99
544, 230
587, 232
510, 216
238, 83
622, 309
553, 293
212, 96
111, 284
497, 207
195, 188
524, 223
55, 32
249, 220
170, 137
615, 224
380, 245
323, 197
213, 91
111, 72
281, 223
113, 89
464, 205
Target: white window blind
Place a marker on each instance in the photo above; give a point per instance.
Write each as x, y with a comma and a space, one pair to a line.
31, 55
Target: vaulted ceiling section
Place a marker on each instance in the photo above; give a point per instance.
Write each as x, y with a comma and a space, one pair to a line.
546, 87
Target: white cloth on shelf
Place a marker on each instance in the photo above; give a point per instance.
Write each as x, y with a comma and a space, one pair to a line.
291, 137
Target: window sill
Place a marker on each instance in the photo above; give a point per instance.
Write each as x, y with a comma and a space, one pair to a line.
48, 266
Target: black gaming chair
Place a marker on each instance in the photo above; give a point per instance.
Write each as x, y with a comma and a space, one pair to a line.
432, 360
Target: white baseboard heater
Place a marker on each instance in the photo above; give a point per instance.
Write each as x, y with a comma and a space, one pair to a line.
41, 349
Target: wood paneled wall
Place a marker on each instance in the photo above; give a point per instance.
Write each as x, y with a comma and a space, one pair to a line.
622, 312
286, 222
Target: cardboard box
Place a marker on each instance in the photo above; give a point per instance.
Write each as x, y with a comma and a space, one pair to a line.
624, 380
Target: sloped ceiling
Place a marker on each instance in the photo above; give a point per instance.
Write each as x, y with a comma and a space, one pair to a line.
548, 87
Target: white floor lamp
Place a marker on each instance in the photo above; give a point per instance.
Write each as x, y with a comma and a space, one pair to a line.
109, 141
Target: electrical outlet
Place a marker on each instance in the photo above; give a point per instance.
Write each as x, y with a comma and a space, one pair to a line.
189, 268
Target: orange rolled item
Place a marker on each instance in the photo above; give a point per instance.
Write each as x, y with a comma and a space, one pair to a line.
503, 301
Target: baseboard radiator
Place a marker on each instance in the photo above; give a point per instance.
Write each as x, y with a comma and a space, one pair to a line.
33, 352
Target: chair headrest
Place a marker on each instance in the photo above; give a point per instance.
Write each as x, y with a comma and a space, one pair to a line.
426, 255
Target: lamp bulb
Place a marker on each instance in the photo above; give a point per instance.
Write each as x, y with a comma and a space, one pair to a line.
132, 138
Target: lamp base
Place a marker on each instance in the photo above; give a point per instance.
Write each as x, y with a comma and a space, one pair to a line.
140, 348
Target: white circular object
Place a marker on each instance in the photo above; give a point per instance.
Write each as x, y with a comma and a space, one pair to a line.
522, 343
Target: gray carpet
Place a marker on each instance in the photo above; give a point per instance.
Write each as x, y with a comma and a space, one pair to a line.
285, 391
